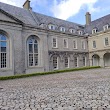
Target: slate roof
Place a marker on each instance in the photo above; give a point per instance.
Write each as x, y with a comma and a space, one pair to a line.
35, 19
98, 24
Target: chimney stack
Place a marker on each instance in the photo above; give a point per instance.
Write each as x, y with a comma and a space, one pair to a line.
88, 18
27, 5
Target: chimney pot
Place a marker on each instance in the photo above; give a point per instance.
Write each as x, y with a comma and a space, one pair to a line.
88, 18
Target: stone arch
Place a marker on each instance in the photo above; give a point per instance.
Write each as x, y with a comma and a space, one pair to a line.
106, 59
95, 60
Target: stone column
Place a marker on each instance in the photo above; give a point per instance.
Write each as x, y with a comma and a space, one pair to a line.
90, 62
101, 63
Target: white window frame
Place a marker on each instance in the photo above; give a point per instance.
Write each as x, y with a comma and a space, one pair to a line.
65, 39
33, 54
80, 32
56, 63
94, 31
105, 27
62, 29
76, 63
51, 26
65, 62
6, 53
83, 45
75, 44
105, 41
72, 30
94, 46
84, 63
53, 42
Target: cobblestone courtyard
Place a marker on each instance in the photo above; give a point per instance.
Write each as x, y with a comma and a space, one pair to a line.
80, 90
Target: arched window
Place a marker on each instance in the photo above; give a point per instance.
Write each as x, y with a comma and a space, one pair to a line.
3, 51
55, 62
66, 62
32, 51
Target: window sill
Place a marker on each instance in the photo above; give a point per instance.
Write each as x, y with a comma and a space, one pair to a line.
32, 67
54, 47
75, 48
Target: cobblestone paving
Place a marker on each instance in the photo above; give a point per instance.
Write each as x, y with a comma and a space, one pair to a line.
81, 90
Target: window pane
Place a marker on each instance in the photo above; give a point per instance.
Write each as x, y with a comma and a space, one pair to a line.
3, 46
35, 41
3, 60
66, 62
30, 41
30, 59
35, 48
36, 59
3, 37
55, 63
30, 48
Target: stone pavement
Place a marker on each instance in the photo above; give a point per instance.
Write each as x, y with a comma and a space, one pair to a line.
80, 90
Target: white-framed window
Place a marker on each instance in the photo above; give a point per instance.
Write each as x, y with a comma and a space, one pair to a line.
74, 44
80, 32
32, 44
62, 29
72, 30
94, 31
84, 61
83, 44
106, 41
66, 62
54, 42
76, 61
51, 26
55, 62
3, 51
105, 27
94, 44
65, 43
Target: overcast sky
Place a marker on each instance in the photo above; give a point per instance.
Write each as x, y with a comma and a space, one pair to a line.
71, 10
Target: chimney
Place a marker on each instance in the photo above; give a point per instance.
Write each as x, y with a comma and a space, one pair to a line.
27, 5
88, 18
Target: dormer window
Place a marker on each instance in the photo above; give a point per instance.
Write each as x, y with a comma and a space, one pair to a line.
105, 27
72, 30
80, 32
62, 29
51, 26
94, 31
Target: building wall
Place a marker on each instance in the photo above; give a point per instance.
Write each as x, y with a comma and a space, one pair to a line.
18, 60
101, 50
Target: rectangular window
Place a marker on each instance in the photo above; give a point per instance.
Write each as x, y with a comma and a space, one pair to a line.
94, 31
52, 27
55, 62
66, 62
54, 42
83, 44
84, 61
105, 27
65, 43
74, 44
80, 32
94, 44
62, 29
106, 41
76, 61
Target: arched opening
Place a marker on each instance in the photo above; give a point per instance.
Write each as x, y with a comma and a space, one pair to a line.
95, 60
32, 50
106, 59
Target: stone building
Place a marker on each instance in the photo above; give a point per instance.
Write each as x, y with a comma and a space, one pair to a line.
31, 42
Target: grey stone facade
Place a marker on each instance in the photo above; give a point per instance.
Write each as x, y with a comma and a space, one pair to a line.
18, 24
